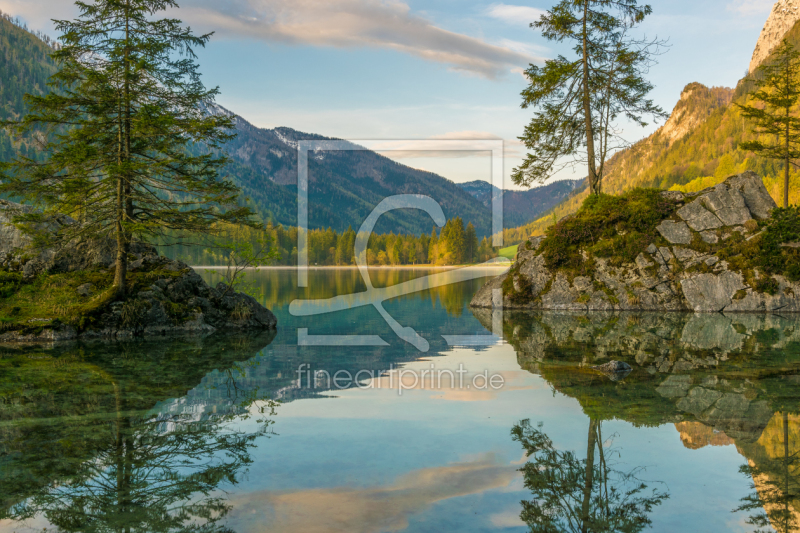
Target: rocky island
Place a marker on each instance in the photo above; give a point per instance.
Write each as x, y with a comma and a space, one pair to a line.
64, 293
718, 250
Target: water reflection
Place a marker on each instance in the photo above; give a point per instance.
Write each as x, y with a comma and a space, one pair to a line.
84, 448
581, 495
721, 380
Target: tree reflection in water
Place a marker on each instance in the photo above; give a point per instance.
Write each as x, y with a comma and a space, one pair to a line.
580, 495
156, 472
776, 481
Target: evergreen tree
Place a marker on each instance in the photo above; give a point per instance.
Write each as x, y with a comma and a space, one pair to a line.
778, 84
470, 244
126, 112
432, 245
578, 100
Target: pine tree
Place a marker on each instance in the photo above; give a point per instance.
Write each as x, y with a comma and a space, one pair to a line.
470, 244
432, 247
126, 115
778, 84
578, 100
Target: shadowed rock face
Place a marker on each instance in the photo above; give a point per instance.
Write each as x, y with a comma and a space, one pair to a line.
672, 276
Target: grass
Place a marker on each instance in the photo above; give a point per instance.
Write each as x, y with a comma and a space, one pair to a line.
509, 252
614, 227
52, 299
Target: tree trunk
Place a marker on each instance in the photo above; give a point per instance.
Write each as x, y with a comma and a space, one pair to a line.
124, 206
594, 178
786, 166
121, 274
787, 511
589, 481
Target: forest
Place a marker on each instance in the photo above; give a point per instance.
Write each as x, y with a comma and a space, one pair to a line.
454, 244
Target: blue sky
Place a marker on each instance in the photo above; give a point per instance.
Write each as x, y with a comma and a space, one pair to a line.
390, 69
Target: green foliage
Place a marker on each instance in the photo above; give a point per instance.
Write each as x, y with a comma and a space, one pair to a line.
573, 494
783, 227
578, 101
614, 227
115, 132
331, 248
778, 84
25, 66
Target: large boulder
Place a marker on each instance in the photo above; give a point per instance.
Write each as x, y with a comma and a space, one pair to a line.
671, 274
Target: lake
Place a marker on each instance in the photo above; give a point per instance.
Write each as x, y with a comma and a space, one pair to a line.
336, 423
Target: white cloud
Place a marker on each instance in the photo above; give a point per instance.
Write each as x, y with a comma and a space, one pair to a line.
517, 15
751, 7
38, 13
385, 24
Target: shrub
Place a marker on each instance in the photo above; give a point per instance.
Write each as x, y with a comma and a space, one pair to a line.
614, 227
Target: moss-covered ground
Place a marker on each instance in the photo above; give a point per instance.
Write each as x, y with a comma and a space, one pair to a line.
49, 300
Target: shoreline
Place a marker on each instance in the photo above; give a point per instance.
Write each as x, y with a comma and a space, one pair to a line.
381, 267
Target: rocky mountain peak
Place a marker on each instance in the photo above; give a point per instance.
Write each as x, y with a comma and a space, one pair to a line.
784, 15
696, 103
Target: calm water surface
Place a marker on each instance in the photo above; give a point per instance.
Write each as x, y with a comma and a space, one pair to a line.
252, 434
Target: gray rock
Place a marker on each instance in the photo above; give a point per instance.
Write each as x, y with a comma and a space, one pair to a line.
642, 262
87, 289
727, 204
698, 217
675, 386
483, 298
709, 236
615, 370
675, 196
684, 255
710, 292
613, 366
698, 400
655, 281
675, 232
755, 195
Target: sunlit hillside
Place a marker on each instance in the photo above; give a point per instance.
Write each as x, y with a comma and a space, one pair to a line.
696, 148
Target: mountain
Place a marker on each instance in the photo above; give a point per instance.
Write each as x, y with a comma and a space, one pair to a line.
698, 146
521, 207
344, 186
782, 18
25, 66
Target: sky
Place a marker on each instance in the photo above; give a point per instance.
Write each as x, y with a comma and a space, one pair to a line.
415, 70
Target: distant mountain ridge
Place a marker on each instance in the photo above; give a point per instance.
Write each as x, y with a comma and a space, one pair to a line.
521, 207
344, 186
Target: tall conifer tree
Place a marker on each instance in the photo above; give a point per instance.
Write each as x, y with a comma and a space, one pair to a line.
778, 84
578, 100
129, 133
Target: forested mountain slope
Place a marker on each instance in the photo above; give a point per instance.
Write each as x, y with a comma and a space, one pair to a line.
521, 207
25, 66
697, 147
344, 186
